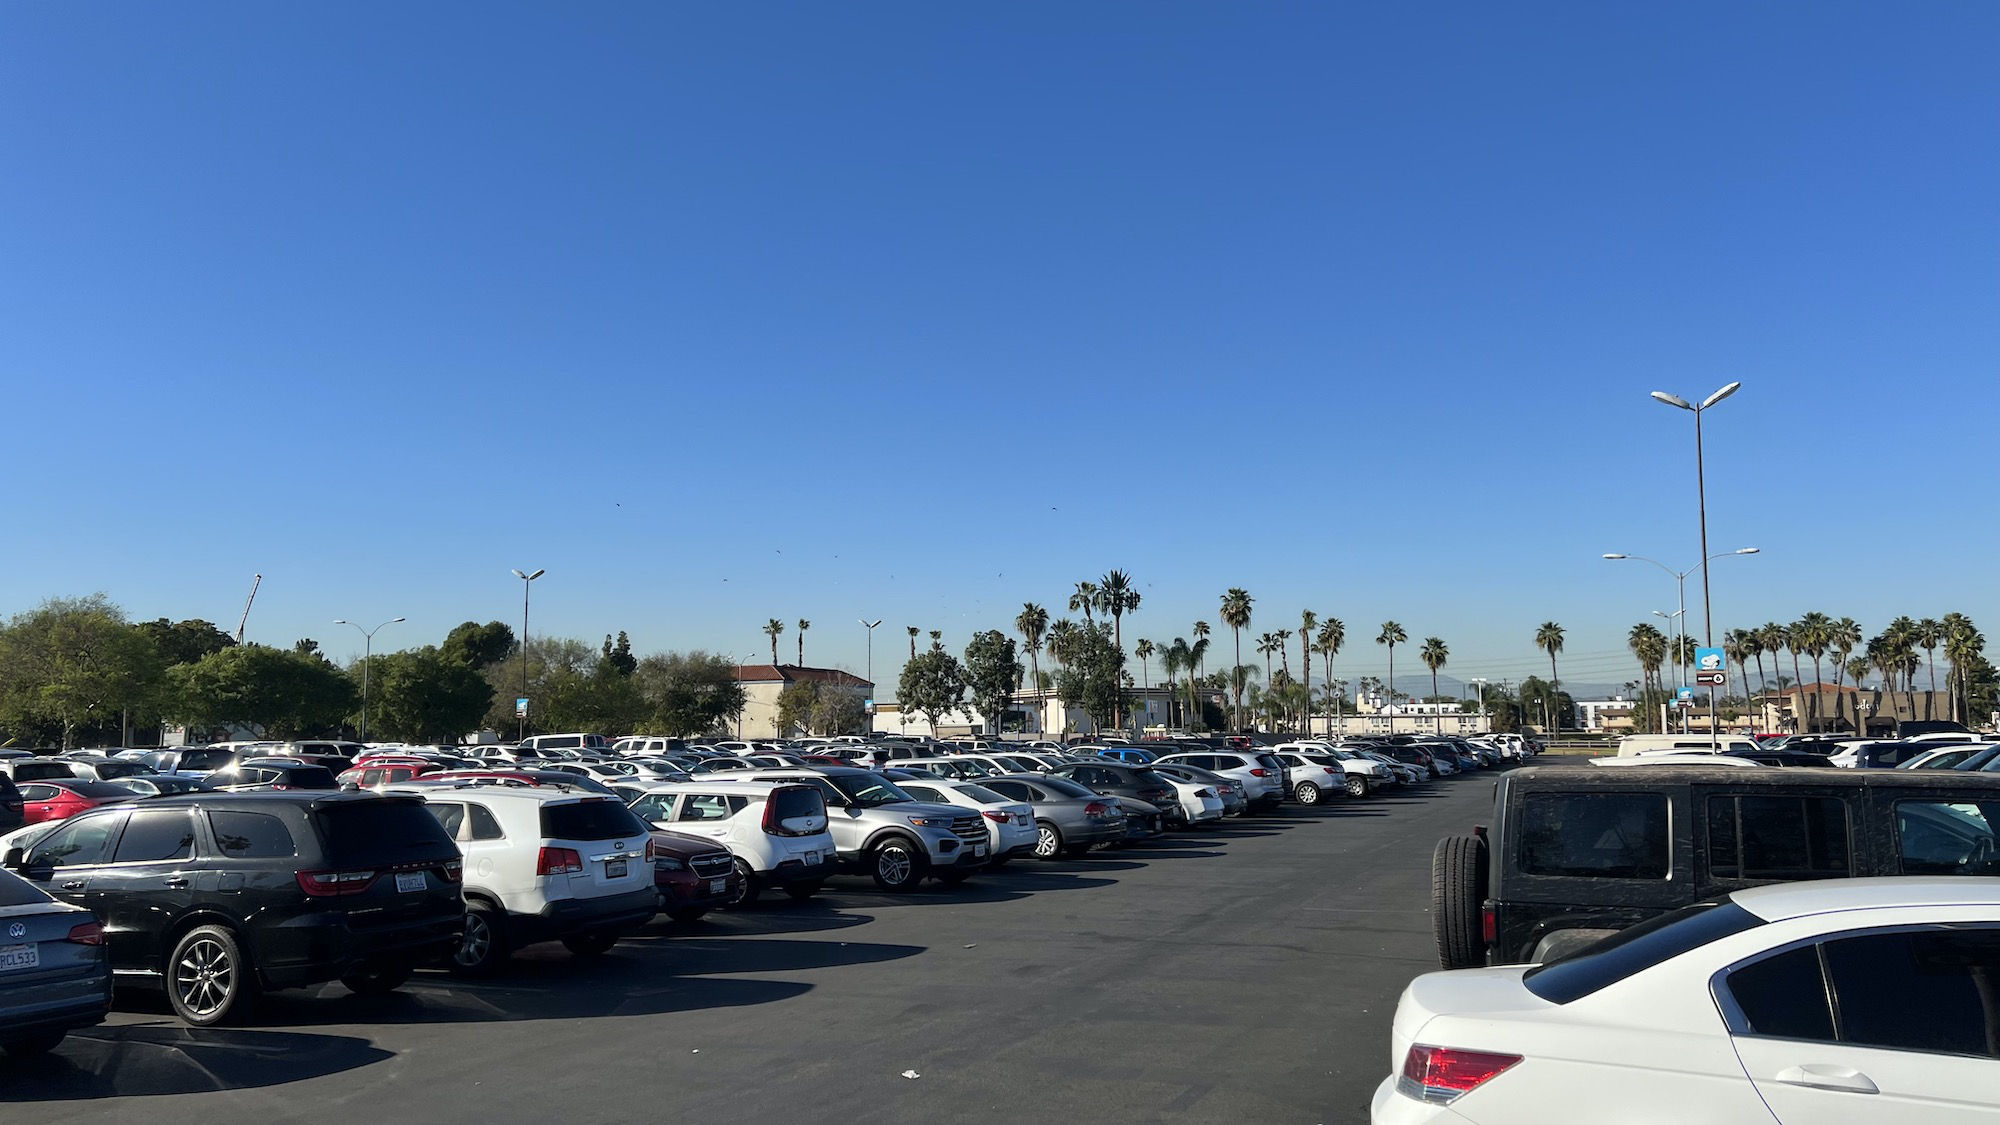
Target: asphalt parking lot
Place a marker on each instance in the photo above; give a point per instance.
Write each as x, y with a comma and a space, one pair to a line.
1242, 974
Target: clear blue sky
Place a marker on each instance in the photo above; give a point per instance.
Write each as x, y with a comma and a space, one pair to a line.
920, 311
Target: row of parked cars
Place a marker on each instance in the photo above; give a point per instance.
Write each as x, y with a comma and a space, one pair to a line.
216, 873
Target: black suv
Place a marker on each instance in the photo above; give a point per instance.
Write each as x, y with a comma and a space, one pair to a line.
1576, 853
217, 896
1140, 783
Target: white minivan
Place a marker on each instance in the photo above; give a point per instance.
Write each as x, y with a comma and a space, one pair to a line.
1633, 745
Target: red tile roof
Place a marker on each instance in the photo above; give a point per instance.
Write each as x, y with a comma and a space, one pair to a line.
793, 673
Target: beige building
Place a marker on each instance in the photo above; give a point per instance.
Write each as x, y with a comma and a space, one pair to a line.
1824, 708
763, 683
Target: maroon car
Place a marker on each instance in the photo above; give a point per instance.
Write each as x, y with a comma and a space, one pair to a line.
692, 875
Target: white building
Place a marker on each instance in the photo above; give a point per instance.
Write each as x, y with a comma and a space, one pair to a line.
763, 683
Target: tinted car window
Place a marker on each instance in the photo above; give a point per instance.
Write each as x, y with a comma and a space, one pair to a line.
484, 825
1602, 835
797, 802
155, 837
42, 771
380, 831
1013, 789
1619, 956
1063, 787
1783, 996
1917, 990
449, 814
654, 806
248, 835
1946, 838
205, 759
1777, 837
85, 840
16, 891
590, 820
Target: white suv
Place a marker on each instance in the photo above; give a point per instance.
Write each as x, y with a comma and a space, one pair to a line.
1261, 775
880, 832
1312, 774
587, 743
777, 832
543, 865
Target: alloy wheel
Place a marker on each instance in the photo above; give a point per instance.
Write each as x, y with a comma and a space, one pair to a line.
204, 977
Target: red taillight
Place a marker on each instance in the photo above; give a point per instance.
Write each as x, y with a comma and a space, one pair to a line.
320, 884
1096, 808
1489, 926
454, 870
1329, 769
558, 861
1441, 1075
89, 933
1260, 773
999, 817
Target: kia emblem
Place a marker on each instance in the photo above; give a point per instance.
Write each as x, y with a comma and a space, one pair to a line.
17, 930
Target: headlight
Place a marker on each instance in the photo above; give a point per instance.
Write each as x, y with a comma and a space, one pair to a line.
668, 863
929, 821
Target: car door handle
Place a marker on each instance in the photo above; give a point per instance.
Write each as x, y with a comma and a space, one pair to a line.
1828, 1077
74, 885
177, 882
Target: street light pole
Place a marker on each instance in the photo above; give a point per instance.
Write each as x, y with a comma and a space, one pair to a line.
367, 648
870, 626
527, 581
1680, 587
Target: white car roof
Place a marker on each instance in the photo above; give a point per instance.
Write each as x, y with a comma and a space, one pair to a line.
1679, 759
704, 786
1781, 901
465, 787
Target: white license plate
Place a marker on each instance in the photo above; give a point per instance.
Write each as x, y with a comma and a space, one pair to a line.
20, 957
979, 849
717, 886
614, 869
407, 881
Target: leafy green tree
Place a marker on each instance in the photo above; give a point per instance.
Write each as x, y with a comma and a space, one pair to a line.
285, 694
599, 700
617, 656
796, 704
479, 646
71, 664
839, 711
1093, 673
425, 695
184, 642
932, 684
991, 671
689, 693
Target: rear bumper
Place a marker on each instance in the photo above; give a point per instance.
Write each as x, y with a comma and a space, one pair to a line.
680, 890
567, 917
78, 1000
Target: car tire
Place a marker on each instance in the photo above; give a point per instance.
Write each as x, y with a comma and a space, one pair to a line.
483, 949
1048, 841
1357, 787
802, 892
688, 913
208, 977
752, 888
378, 980
1458, 894
595, 944
33, 1045
895, 865
1306, 793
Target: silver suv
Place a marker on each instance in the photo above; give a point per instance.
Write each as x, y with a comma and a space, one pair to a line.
881, 831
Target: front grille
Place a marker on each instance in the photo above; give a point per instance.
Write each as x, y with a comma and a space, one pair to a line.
970, 829
712, 866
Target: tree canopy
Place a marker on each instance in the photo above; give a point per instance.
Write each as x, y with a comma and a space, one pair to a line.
932, 684
287, 694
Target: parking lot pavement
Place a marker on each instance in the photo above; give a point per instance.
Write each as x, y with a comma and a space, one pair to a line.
1241, 974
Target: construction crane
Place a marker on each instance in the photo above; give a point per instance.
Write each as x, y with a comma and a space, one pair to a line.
256, 581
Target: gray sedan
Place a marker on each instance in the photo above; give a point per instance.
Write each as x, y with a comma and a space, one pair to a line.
1234, 803
53, 973
1070, 819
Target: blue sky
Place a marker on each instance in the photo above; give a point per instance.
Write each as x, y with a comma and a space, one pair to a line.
918, 311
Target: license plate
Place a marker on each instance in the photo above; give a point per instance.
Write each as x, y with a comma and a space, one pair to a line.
718, 886
614, 869
409, 881
979, 849
20, 957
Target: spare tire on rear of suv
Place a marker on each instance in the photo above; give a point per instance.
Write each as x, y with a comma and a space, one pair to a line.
1458, 893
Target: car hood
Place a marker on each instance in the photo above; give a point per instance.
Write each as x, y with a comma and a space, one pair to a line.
918, 808
683, 845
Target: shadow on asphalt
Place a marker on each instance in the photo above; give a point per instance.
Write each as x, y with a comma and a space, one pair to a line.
142, 1060
779, 916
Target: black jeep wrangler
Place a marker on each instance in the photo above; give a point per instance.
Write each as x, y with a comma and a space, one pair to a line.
1576, 853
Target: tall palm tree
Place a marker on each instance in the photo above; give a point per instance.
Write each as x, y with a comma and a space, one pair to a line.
1235, 613
1811, 634
1772, 636
1144, 650
1732, 649
1267, 644
1929, 635
1962, 642
772, 628
1170, 667
1549, 638
1084, 600
1332, 634
1283, 639
1434, 654
937, 640
1200, 634
1197, 656
1902, 634
1116, 596
1753, 647
1062, 640
803, 626
913, 640
1842, 637
1392, 635
1033, 624
1308, 621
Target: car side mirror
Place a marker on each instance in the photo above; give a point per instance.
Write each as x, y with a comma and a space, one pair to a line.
16, 859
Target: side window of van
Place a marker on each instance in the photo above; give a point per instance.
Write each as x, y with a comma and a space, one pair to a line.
1599, 835
1779, 838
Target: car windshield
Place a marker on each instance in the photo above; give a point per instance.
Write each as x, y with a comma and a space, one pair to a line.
868, 792
1628, 952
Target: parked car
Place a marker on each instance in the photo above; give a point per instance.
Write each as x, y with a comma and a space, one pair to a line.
1010, 822
13, 813
1070, 819
1260, 773
24, 770
1121, 779
1229, 791
1861, 1000
776, 832
216, 897
1877, 755
1574, 854
880, 832
161, 784
1943, 757
541, 743
691, 875
542, 864
959, 767
559, 779
62, 799
53, 974
1310, 776
373, 773
271, 773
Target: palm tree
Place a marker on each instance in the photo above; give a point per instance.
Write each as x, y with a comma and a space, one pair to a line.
937, 640
803, 626
1841, 639
1117, 597
1392, 635
1902, 634
1929, 635
1332, 634
1033, 624
1084, 600
1772, 636
913, 640
1200, 634
1753, 647
771, 629
1266, 645
1235, 613
1308, 621
1434, 654
1549, 638
1195, 658
1170, 667
1283, 638
1811, 634
1964, 647
1733, 643
1144, 650
1062, 640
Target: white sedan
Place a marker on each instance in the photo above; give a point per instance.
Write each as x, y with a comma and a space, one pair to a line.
1831, 1003
1010, 824
1201, 803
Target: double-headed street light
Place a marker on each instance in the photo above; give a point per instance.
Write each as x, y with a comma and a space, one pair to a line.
527, 580
367, 647
870, 626
1701, 507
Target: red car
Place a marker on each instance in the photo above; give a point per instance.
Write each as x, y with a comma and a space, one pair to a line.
692, 875
385, 771
60, 800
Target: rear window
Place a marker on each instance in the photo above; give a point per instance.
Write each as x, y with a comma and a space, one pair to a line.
1948, 837
1598, 835
108, 770
590, 820
1633, 951
42, 771
1063, 787
380, 831
309, 777
205, 759
789, 803
16, 891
